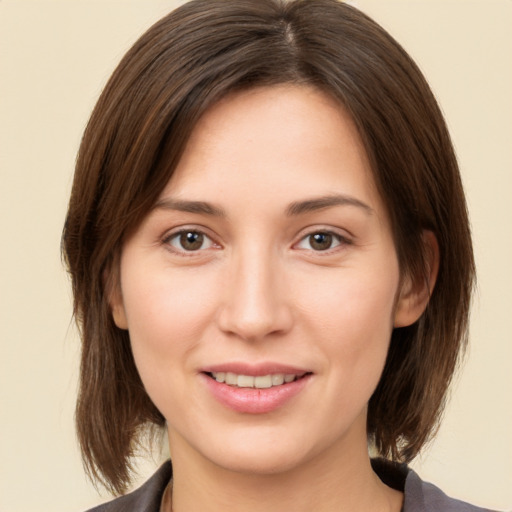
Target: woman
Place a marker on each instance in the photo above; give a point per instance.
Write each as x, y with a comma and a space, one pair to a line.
270, 255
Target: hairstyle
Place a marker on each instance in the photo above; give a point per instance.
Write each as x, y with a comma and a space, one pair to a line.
182, 65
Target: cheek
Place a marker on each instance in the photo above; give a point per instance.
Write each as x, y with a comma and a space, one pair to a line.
352, 300
352, 319
358, 346
166, 312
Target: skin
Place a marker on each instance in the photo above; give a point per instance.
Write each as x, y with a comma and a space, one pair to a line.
257, 289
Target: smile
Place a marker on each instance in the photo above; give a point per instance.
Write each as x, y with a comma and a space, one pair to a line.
267, 391
259, 382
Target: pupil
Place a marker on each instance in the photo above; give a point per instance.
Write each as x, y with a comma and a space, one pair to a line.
321, 241
191, 241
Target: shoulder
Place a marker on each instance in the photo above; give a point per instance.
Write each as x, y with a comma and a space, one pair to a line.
419, 496
422, 496
146, 498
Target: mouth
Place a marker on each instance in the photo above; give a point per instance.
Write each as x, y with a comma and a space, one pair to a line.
270, 380
255, 390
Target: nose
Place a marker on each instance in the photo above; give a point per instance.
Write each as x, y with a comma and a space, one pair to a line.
255, 298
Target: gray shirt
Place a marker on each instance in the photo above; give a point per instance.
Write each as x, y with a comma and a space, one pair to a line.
419, 496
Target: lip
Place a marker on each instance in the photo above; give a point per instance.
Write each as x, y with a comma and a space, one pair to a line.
255, 400
256, 370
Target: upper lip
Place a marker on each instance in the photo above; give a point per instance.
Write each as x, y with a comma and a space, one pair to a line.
254, 369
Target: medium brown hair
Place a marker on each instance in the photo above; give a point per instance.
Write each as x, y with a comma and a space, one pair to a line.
137, 132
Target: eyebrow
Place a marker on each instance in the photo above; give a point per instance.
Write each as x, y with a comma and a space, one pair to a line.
200, 207
320, 203
294, 209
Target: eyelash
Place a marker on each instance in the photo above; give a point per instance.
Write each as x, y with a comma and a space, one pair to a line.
176, 235
340, 240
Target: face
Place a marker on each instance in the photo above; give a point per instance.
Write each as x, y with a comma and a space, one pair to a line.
261, 291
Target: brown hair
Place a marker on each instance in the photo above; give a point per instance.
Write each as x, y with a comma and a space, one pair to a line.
182, 65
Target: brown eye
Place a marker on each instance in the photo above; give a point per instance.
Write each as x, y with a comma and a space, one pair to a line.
189, 241
320, 241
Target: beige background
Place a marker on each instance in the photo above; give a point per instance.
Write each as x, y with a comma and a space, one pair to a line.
54, 59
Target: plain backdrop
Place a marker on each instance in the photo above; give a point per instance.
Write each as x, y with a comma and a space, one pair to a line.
55, 57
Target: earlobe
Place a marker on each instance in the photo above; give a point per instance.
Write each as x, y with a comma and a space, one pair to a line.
115, 300
415, 291
119, 315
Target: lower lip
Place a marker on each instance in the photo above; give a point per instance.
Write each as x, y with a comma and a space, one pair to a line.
254, 400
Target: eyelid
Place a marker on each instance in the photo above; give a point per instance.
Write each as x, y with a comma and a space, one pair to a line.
177, 231
343, 239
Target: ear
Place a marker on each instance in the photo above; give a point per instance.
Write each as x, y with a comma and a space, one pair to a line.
415, 291
114, 293
118, 312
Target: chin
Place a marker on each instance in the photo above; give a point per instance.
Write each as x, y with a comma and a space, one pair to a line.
258, 463
260, 454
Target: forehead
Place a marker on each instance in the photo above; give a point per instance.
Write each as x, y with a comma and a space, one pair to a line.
283, 136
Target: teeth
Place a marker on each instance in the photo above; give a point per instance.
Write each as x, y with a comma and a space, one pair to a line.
277, 379
263, 382
220, 377
231, 379
245, 381
248, 381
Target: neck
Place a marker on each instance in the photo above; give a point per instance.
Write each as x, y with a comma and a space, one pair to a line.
325, 483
